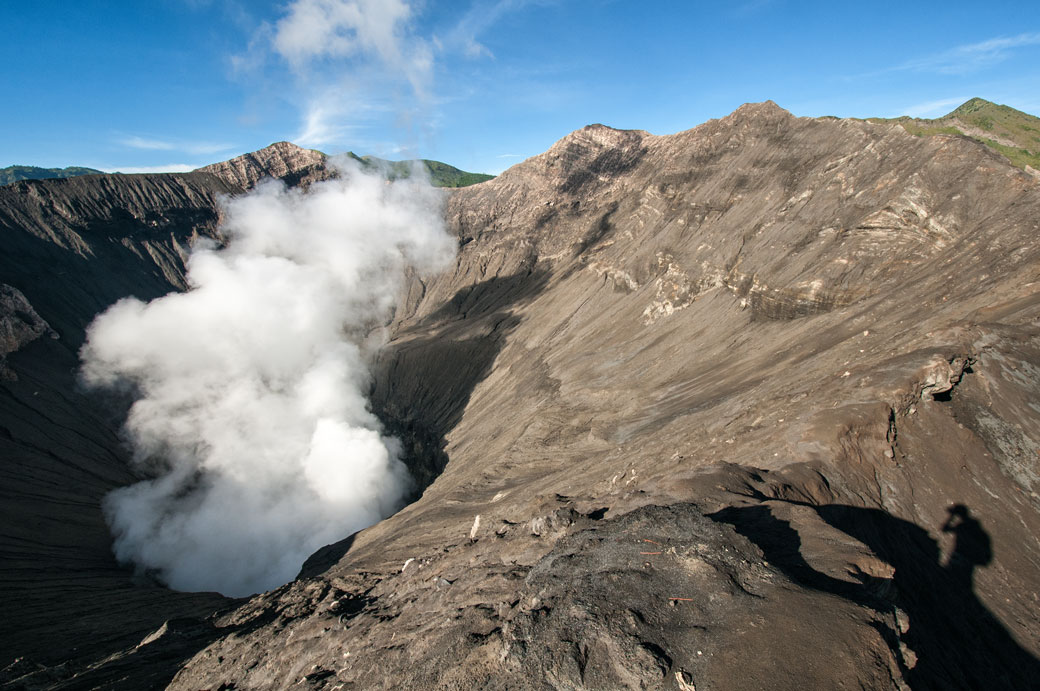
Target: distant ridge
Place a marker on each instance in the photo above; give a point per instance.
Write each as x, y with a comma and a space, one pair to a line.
441, 174
296, 165
15, 173
1010, 132
282, 160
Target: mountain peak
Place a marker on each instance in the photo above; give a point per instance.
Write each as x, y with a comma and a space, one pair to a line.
282, 160
766, 111
972, 105
766, 107
600, 134
284, 148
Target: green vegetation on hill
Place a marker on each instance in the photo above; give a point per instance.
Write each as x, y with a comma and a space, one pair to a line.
15, 173
1010, 132
441, 174
444, 175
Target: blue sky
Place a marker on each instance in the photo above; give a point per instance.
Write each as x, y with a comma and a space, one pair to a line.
176, 84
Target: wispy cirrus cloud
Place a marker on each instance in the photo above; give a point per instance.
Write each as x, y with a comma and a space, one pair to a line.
505, 160
464, 36
317, 29
350, 62
337, 113
170, 168
146, 144
199, 148
347, 58
933, 108
971, 57
325, 122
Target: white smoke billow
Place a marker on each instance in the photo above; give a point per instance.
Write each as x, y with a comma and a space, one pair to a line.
318, 38
250, 413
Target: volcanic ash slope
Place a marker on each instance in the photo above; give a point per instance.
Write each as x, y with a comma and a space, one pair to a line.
748, 406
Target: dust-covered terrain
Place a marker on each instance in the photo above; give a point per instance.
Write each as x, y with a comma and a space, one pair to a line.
753, 405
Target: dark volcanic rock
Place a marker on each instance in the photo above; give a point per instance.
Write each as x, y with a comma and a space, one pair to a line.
19, 325
748, 406
631, 602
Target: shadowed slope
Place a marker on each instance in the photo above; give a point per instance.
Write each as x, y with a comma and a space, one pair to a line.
100, 238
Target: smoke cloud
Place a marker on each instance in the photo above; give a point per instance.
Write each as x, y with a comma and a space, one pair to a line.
250, 415
347, 57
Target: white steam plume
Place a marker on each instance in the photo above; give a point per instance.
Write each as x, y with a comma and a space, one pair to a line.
347, 56
250, 413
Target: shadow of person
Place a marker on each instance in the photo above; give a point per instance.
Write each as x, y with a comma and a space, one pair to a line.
971, 546
953, 640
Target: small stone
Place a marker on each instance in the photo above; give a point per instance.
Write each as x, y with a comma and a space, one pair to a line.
538, 525
902, 621
908, 655
684, 680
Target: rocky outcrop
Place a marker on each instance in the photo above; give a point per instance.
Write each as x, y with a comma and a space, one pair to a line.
282, 161
19, 325
745, 406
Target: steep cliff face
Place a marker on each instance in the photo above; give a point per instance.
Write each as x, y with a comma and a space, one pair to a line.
68, 248
702, 407
748, 406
